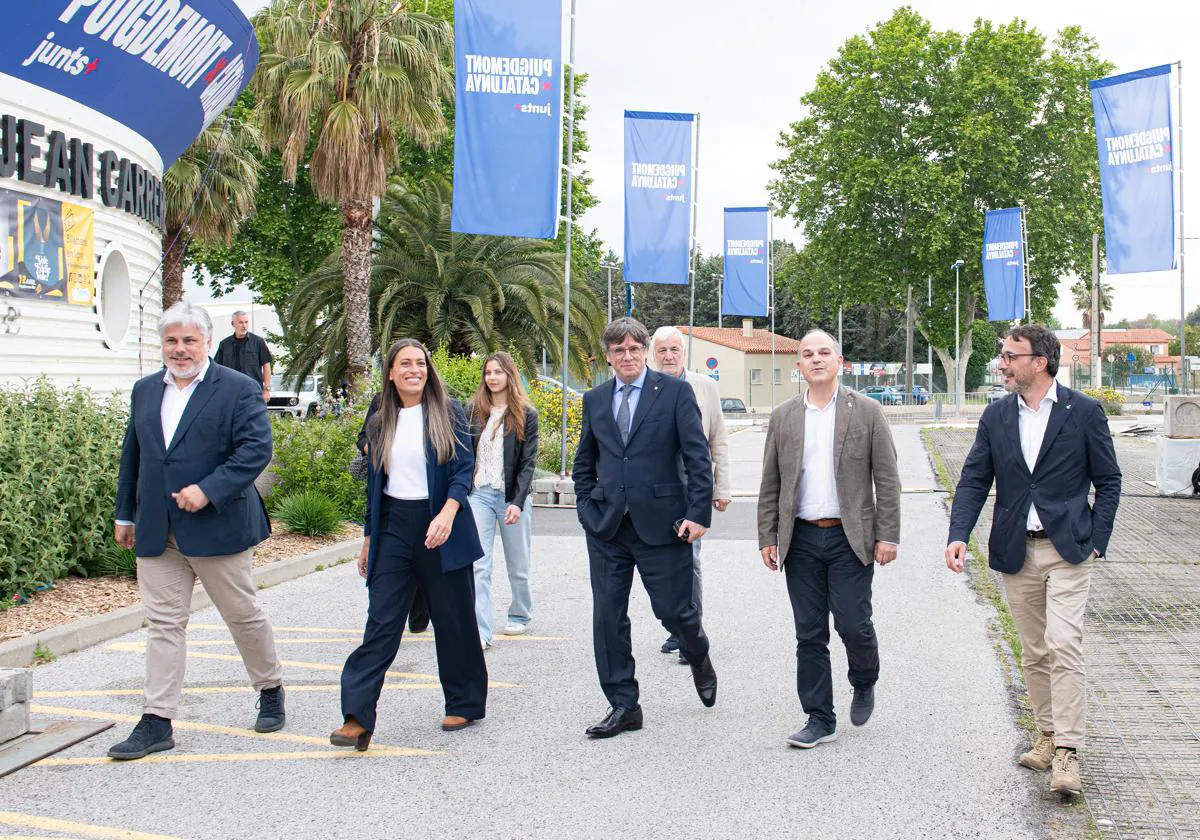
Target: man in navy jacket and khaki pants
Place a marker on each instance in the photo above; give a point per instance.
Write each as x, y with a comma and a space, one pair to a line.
1044, 445
198, 437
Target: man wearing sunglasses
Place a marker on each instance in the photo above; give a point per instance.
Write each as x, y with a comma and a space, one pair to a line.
1044, 446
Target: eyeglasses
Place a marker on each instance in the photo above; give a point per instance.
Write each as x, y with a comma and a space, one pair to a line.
626, 352
1007, 356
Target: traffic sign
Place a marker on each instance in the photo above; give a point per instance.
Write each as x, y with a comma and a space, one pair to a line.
712, 363
716, 374
795, 375
1131, 356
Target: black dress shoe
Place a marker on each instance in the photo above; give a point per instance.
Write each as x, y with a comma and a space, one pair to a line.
270, 710
619, 719
862, 704
418, 614
705, 678
152, 734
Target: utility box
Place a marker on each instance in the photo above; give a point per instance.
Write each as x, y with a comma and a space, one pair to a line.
1181, 416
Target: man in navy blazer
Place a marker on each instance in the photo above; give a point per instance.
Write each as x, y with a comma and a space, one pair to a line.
641, 438
198, 437
1045, 446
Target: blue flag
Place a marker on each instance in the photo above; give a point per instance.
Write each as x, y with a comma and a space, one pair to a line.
163, 70
658, 196
508, 117
1133, 135
747, 274
1004, 265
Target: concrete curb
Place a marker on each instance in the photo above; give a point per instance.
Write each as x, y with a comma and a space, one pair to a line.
68, 638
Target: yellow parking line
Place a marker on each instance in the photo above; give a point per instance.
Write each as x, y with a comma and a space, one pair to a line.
427, 636
207, 727
220, 689
382, 752
323, 640
51, 824
138, 647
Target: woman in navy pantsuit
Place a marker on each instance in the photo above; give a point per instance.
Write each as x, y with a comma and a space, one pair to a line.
419, 530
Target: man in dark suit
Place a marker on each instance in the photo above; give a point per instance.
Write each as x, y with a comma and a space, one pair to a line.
197, 439
639, 429
1044, 445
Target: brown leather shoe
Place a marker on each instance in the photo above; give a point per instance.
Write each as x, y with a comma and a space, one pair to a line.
452, 723
351, 734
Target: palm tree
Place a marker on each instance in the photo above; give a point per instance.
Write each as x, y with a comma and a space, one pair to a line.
466, 292
209, 193
360, 74
1081, 296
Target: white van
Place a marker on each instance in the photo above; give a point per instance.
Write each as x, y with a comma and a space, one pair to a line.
299, 399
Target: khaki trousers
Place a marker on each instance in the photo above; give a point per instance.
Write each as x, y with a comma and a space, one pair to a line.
166, 583
1047, 598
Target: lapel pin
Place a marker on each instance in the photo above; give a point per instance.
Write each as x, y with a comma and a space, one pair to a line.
1068, 406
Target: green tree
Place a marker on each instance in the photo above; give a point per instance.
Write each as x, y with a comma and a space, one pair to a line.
209, 191
1081, 299
1116, 373
466, 293
1192, 335
910, 135
364, 74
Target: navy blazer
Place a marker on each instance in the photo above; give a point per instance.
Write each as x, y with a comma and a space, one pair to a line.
222, 444
1076, 453
643, 477
451, 480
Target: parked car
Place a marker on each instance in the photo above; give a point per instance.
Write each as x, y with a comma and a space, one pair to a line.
732, 405
996, 392
920, 395
297, 399
884, 394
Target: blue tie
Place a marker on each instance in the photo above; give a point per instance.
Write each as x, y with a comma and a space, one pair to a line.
623, 413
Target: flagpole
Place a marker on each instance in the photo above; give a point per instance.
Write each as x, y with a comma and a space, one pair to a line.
692, 255
1177, 150
771, 296
566, 333
1028, 313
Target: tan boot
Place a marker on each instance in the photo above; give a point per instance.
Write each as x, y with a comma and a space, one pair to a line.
1041, 754
1064, 778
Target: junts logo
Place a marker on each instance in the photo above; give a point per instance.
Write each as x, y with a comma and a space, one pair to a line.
62, 58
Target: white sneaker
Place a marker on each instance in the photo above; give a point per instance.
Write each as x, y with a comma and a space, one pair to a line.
485, 644
515, 629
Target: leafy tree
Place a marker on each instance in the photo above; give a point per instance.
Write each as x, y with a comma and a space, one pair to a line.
1192, 335
910, 135
364, 74
1116, 373
209, 191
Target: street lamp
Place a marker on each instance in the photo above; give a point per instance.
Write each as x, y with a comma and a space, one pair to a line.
958, 264
610, 267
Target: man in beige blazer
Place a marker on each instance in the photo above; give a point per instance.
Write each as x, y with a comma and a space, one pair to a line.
828, 511
667, 349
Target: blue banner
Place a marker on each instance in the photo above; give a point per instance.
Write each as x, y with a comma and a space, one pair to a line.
747, 274
508, 117
1004, 264
1137, 183
163, 69
658, 196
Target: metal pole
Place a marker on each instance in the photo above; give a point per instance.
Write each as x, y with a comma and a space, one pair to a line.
957, 344
610, 294
908, 346
1177, 149
1025, 261
693, 260
720, 300
840, 346
771, 292
1097, 371
928, 342
566, 334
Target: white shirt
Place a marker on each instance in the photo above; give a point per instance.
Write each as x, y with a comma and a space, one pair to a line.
406, 478
1032, 424
489, 460
817, 498
175, 400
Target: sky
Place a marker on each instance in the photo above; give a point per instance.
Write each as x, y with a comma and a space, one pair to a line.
743, 66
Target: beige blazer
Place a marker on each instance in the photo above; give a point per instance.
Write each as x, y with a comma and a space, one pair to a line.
868, 481
713, 421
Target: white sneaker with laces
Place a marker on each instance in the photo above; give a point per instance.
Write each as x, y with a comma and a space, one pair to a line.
515, 629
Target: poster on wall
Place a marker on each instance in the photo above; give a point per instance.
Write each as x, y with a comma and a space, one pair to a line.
47, 249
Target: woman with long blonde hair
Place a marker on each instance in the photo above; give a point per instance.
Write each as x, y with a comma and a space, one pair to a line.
419, 531
504, 437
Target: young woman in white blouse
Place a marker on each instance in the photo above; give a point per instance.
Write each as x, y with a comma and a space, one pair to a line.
504, 437
419, 529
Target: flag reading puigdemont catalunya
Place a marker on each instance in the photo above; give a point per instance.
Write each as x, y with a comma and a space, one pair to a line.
658, 196
1003, 265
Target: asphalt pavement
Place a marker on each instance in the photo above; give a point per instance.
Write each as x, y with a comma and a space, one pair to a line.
938, 759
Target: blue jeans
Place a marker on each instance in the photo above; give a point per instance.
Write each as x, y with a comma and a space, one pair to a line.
488, 506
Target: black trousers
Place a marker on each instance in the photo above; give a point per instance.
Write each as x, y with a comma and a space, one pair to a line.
401, 564
666, 573
825, 576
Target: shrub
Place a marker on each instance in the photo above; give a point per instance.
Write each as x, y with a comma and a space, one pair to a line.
314, 456
1111, 399
311, 514
59, 456
547, 399
115, 561
460, 374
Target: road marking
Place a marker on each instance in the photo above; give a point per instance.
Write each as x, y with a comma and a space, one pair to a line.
427, 636
211, 727
382, 752
325, 640
139, 647
221, 689
84, 829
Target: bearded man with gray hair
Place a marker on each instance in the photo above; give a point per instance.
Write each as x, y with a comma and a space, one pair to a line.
670, 357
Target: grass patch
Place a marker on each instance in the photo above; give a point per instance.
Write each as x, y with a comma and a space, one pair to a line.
42, 655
